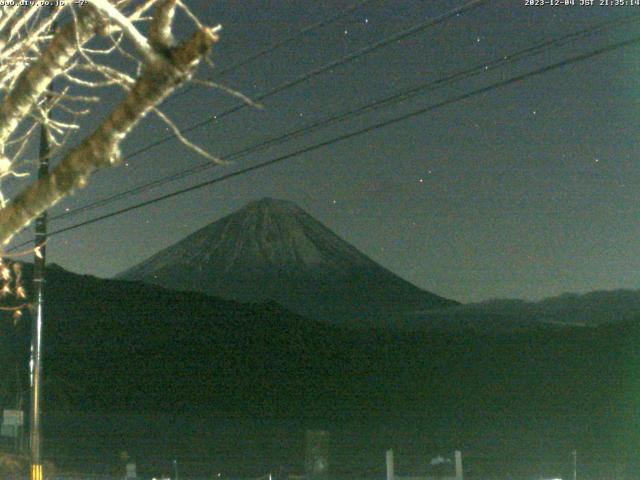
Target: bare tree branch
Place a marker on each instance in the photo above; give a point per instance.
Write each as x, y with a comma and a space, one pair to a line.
102, 148
185, 141
34, 81
127, 26
160, 34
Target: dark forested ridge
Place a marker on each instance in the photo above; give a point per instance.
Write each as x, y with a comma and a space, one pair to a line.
116, 346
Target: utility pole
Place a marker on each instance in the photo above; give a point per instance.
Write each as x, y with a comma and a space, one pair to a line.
37, 320
39, 264
575, 465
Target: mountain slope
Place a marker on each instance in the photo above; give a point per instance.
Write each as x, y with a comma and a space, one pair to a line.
273, 250
576, 310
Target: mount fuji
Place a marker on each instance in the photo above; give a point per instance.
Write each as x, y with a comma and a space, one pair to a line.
272, 250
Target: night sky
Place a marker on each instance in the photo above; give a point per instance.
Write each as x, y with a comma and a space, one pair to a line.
526, 191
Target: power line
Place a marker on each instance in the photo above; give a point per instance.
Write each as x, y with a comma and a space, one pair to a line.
347, 11
341, 138
345, 59
384, 102
279, 44
322, 69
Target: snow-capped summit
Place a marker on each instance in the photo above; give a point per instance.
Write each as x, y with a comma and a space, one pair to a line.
273, 250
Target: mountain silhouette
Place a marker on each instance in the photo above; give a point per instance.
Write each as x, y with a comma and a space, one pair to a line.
274, 250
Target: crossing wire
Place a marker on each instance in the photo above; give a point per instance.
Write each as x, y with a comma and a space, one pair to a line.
382, 103
362, 131
279, 44
455, 12
418, 28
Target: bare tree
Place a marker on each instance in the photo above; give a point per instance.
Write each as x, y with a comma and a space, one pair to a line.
79, 56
